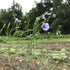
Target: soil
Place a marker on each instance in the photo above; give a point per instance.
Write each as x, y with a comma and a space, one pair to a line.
5, 64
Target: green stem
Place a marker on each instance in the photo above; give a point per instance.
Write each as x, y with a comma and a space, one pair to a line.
48, 57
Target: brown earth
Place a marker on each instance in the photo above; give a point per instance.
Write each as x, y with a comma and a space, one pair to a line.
4, 63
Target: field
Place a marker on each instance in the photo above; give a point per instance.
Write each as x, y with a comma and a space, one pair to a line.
35, 40
41, 54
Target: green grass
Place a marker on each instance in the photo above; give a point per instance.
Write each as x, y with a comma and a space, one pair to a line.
41, 38
20, 51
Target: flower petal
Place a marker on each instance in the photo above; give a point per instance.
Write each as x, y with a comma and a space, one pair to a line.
45, 26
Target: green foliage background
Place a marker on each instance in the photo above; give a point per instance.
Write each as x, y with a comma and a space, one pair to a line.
62, 11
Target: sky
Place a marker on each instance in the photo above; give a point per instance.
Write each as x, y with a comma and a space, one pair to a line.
26, 4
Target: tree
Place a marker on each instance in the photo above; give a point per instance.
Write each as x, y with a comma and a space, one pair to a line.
56, 4
62, 11
40, 9
47, 5
68, 2
9, 15
15, 12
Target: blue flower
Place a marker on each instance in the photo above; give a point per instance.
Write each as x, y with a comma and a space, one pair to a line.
38, 18
17, 20
44, 17
45, 26
30, 35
